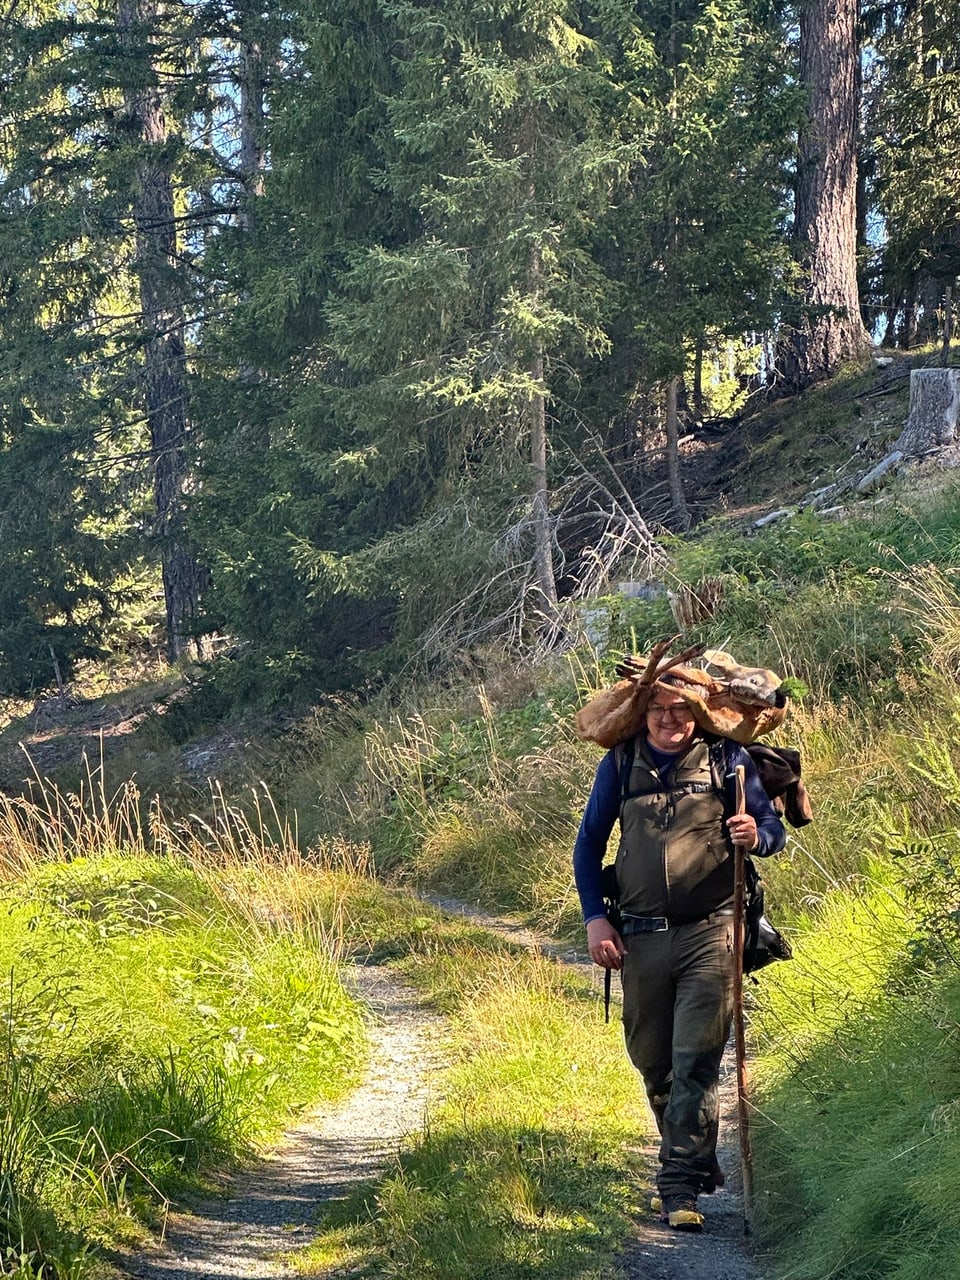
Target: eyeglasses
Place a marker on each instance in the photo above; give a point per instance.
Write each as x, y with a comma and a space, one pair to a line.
669, 713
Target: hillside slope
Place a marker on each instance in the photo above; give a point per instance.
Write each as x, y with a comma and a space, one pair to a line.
174, 736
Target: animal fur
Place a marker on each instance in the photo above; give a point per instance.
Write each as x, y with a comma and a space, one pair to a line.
619, 713
755, 685
742, 703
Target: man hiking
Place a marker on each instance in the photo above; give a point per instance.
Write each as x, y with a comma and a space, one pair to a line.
674, 872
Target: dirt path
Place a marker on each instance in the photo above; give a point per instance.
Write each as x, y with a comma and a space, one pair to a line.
655, 1252
268, 1210
720, 1253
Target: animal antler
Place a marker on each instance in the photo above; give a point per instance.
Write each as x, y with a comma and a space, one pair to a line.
740, 702
646, 671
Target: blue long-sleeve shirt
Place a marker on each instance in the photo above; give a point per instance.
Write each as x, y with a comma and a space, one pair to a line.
603, 810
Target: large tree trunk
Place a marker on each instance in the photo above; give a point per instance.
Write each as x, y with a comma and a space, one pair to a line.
252, 153
164, 373
831, 330
537, 415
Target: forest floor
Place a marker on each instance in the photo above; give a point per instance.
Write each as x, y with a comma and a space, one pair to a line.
268, 1211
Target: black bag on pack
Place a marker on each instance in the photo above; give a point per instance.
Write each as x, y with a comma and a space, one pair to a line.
611, 907
611, 895
762, 942
779, 771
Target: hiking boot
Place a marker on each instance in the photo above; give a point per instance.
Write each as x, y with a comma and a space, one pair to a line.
681, 1213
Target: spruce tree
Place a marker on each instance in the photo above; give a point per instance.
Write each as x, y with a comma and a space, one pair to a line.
913, 125
120, 169
829, 329
696, 239
432, 293
485, 232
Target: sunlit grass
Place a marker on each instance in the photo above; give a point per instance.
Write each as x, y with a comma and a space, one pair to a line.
520, 1169
857, 1141
859, 1072
170, 995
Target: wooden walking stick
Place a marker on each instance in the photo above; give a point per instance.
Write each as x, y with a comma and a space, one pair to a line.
739, 939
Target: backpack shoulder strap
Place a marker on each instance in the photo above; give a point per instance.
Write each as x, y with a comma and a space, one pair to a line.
627, 752
722, 751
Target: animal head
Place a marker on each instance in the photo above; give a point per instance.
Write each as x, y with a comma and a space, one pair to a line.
755, 686
736, 702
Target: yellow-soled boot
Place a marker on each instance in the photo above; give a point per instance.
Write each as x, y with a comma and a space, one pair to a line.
679, 1212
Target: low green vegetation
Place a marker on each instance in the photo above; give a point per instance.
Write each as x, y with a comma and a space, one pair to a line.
159, 1017
475, 791
172, 994
859, 1071
521, 1170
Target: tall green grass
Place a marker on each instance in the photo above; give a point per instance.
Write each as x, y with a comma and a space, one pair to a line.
160, 1014
859, 1077
860, 1070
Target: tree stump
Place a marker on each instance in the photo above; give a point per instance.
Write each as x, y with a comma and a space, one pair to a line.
934, 418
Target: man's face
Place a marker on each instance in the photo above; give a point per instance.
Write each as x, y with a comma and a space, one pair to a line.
670, 726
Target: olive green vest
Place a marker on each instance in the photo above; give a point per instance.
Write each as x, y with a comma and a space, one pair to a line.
673, 859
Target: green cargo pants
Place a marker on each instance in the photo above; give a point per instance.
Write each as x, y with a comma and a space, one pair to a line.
677, 1007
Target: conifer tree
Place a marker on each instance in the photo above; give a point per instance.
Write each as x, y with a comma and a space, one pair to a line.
481, 229
66, 554
120, 164
913, 122
830, 329
159, 271
698, 243
443, 231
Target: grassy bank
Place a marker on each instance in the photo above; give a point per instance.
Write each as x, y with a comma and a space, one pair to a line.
860, 1071
161, 1016
522, 1169
172, 994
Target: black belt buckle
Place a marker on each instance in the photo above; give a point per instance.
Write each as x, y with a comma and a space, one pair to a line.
646, 924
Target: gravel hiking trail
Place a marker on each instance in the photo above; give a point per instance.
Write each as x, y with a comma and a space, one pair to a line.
267, 1210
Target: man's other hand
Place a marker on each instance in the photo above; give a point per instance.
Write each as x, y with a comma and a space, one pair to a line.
605, 944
